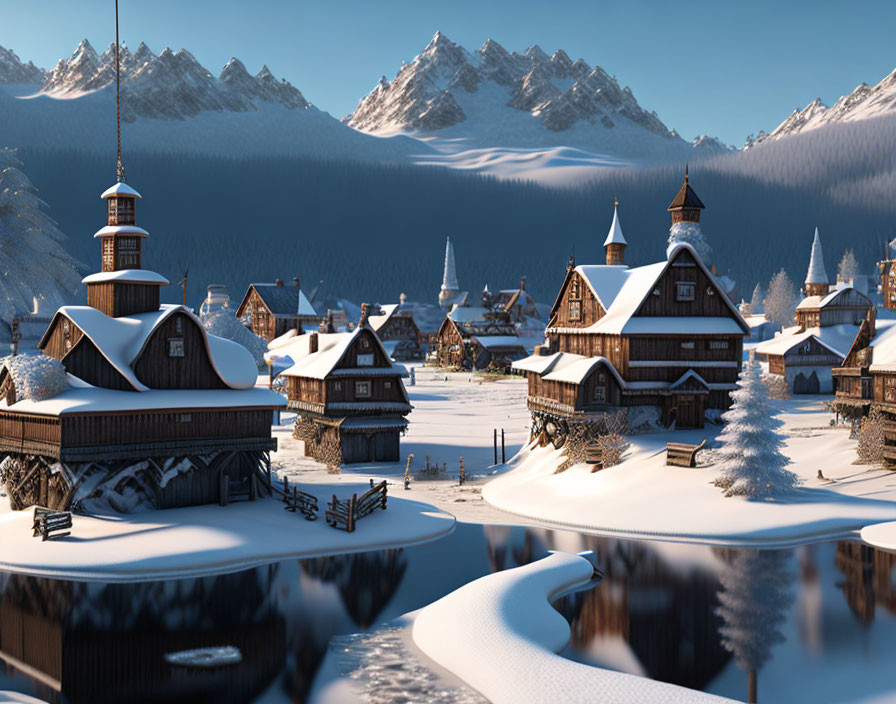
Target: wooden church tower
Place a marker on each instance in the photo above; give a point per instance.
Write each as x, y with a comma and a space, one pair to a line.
686, 206
615, 244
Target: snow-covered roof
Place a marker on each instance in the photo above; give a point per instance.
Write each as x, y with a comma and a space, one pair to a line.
812, 302
490, 341
121, 340
884, 344
816, 273
132, 230
377, 321
91, 399
621, 291
565, 367
131, 276
285, 300
331, 348
836, 338
120, 189
364, 423
35, 376
615, 236
467, 314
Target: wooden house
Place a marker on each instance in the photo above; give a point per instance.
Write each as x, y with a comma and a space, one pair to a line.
519, 305
478, 338
349, 398
662, 336
828, 321
887, 271
395, 326
269, 310
154, 410
867, 379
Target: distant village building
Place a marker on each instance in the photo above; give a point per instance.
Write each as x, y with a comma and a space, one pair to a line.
827, 324
476, 337
519, 305
394, 325
663, 336
269, 310
450, 293
131, 402
887, 273
349, 398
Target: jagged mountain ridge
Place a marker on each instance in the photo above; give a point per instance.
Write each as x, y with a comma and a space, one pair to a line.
13, 70
427, 94
863, 103
170, 85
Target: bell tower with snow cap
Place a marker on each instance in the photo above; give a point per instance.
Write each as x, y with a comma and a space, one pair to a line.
121, 287
686, 206
615, 244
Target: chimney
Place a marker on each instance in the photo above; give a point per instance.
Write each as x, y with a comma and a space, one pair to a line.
295, 280
365, 312
522, 283
312, 342
278, 282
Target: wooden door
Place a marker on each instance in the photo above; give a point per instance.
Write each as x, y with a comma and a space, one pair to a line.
689, 411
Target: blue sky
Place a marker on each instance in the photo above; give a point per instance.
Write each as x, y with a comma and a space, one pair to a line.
719, 67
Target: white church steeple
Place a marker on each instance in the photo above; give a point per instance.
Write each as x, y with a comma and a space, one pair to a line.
817, 276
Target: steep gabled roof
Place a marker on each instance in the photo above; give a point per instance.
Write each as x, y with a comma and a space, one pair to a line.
283, 300
838, 339
813, 302
615, 236
622, 291
121, 342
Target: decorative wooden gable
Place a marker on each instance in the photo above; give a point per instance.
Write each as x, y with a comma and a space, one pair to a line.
364, 352
861, 354
811, 351
685, 288
448, 333
7, 387
690, 383
576, 305
175, 356
65, 341
600, 387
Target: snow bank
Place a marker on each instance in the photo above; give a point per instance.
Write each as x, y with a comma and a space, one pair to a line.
36, 377
201, 540
497, 634
642, 497
881, 535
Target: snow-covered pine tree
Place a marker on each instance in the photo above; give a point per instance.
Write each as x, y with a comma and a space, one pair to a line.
36, 268
781, 300
848, 266
224, 323
750, 459
757, 306
753, 602
870, 445
690, 233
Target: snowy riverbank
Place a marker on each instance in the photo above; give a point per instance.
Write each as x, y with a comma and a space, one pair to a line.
642, 497
203, 540
471, 631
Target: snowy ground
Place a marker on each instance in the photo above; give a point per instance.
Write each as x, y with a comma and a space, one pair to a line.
454, 416
471, 631
642, 497
203, 540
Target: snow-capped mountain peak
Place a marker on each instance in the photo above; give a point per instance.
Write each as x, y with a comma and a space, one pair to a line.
863, 103
172, 84
445, 86
13, 71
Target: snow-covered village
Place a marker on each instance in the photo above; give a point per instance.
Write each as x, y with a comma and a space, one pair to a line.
343, 361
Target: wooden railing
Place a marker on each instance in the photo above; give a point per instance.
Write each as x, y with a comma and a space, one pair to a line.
344, 514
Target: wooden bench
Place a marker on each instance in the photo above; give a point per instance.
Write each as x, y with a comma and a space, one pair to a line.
344, 514
51, 524
679, 454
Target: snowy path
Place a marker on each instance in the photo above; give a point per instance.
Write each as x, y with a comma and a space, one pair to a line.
473, 631
642, 497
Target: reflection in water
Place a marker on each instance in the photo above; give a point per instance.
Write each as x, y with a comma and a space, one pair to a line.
754, 598
687, 614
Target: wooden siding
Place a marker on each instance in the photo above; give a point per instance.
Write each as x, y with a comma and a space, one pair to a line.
663, 301
576, 290
303, 389
343, 389
164, 426
364, 343
21, 427
62, 337
157, 370
399, 327
117, 299
87, 363
776, 364
811, 353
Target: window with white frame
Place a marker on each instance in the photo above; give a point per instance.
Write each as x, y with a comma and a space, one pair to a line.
362, 389
684, 291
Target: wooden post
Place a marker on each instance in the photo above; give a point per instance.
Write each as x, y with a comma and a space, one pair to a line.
463, 475
407, 472
495, 443
285, 485
350, 526
503, 455
751, 686
253, 488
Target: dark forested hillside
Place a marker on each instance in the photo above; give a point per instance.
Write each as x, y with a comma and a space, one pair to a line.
370, 232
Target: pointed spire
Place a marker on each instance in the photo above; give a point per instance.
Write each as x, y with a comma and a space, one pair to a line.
615, 236
120, 167
817, 273
571, 263
449, 278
